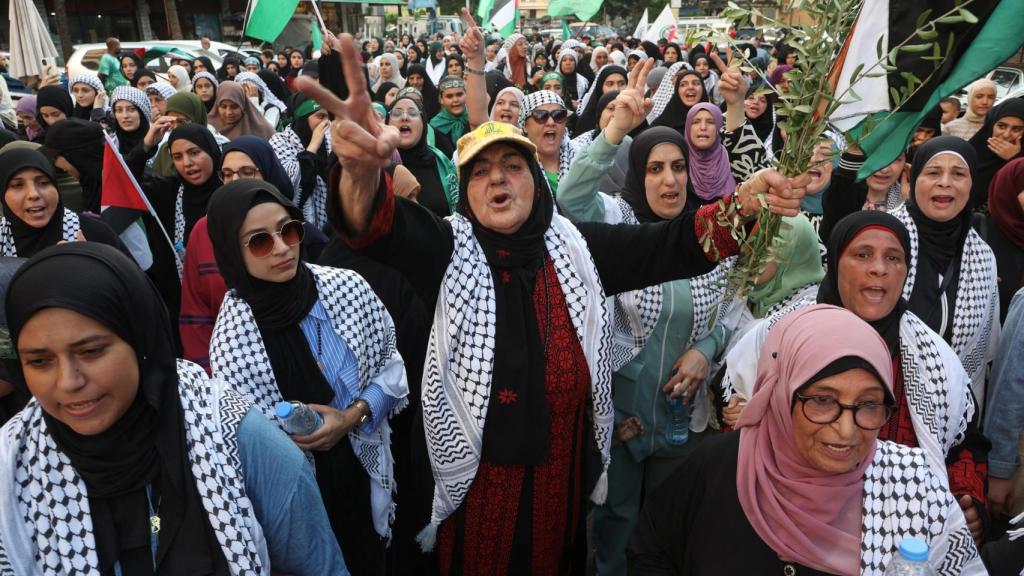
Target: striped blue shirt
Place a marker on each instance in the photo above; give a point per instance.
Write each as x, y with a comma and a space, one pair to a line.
340, 368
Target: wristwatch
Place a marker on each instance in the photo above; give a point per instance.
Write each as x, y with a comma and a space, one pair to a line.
364, 407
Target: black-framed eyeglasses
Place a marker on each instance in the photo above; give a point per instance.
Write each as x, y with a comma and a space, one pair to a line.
825, 410
559, 116
261, 244
245, 172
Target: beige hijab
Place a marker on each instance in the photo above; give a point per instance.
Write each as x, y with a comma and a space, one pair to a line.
252, 122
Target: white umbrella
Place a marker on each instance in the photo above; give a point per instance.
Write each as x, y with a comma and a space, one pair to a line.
30, 40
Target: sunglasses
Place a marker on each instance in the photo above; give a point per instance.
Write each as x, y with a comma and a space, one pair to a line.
559, 116
261, 244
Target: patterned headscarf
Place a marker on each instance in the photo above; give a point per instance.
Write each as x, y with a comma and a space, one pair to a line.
265, 93
530, 103
136, 97
87, 79
164, 90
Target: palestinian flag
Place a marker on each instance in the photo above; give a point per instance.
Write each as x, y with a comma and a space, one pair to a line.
503, 15
966, 45
267, 18
123, 204
584, 10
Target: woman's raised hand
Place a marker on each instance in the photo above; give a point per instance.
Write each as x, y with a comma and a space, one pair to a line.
631, 108
363, 146
472, 44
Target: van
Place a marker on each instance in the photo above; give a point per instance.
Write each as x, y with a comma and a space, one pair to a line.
86, 57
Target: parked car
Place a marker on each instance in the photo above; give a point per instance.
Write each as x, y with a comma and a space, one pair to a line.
1009, 82
86, 57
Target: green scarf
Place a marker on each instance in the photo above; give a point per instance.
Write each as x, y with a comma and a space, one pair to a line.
553, 181
449, 177
453, 126
799, 264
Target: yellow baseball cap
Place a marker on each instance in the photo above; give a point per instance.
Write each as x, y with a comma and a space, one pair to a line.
489, 133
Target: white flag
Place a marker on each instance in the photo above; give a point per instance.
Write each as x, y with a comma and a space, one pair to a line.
641, 26
664, 26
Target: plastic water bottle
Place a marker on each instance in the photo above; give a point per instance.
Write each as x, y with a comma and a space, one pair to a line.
678, 430
911, 560
297, 419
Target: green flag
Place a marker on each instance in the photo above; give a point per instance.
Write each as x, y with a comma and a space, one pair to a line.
267, 18
582, 9
566, 34
318, 38
483, 11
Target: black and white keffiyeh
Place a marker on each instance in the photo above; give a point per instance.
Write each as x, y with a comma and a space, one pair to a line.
458, 370
904, 497
265, 93
287, 146
90, 80
161, 89
238, 355
70, 225
566, 151
665, 90
45, 519
937, 389
137, 97
976, 310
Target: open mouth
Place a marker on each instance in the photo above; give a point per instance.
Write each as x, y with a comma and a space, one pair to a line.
81, 408
550, 137
404, 130
501, 200
36, 211
505, 117
839, 450
874, 294
943, 201
669, 196
815, 173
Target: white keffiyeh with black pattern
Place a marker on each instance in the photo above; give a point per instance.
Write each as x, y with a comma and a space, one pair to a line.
287, 146
45, 521
70, 225
458, 369
976, 309
238, 355
566, 151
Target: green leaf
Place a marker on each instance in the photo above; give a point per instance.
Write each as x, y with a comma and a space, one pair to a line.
879, 49
894, 95
893, 54
875, 74
856, 73
951, 19
916, 48
968, 16
921, 19
929, 34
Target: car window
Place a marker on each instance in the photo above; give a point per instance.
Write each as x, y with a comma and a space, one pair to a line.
1006, 78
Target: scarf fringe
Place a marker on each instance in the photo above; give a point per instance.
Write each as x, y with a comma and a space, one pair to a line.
1016, 532
427, 538
600, 493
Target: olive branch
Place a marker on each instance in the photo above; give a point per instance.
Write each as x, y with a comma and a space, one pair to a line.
805, 109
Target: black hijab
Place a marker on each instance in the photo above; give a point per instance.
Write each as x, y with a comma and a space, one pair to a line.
941, 244
842, 235
127, 141
140, 74
278, 307
195, 199
223, 74
275, 84
27, 239
634, 188
80, 142
431, 97
300, 125
262, 155
766, 125
55, 97
588, 119
651, 49
674, 115
517, 433
146, 446
382, 91
570, 86
421, 161
207, 63
988, 161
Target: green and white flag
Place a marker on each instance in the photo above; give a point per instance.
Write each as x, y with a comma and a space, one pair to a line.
267, 18
963, 46
503, 15
582, 9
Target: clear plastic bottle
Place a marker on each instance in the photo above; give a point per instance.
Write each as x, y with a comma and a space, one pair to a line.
911, 560
297, 419
678, 430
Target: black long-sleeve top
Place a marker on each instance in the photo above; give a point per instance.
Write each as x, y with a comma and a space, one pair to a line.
693, 524
419, 244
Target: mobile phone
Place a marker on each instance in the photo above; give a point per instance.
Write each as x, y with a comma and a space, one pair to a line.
48, 67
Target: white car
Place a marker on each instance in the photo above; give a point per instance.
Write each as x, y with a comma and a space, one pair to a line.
86, 57
1009, 84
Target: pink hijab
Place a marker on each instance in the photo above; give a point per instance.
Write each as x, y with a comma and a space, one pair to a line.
709, 170
805, 515
252, 122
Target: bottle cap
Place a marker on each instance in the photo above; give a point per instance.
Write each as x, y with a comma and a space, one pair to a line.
284, 409
914, 549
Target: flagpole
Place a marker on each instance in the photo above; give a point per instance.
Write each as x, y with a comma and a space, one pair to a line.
320, 19
142, 194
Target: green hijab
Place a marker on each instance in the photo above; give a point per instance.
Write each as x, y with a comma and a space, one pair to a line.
799, 264
192, 107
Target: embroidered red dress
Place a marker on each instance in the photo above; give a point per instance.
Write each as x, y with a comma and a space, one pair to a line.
529, 519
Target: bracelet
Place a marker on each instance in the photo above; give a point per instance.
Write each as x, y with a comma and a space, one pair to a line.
365, 408
475, 71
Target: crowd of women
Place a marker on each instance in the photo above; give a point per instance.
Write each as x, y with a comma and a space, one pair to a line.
498, 271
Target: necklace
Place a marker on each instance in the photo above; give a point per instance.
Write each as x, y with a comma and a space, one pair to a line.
154, 519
